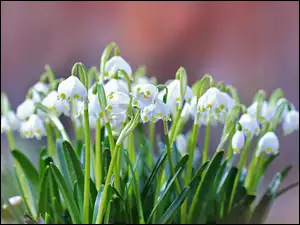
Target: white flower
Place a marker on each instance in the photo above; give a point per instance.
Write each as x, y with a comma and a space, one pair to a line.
268, 143
41, 87
214, 102
116, 121
34, 127
290, 122
5, 126
186, 111
72, 89
117, 102
116, 63
55, 105
173, 98
249, 125
36, 97
25, 109
94, 105
9, 122
14, 201
265, 115
144, 95
174, 92
238, 141
154, 112
115, 85
285, 110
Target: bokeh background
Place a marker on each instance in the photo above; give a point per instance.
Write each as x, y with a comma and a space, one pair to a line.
251, 45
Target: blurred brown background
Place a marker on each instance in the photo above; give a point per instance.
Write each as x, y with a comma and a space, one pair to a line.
250, 45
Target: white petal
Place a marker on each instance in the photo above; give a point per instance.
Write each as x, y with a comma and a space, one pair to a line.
41, 87
115, 85
117, 102
268, 143
290, 122
116, 63
238, 141
25, 109
72, 89
5, 126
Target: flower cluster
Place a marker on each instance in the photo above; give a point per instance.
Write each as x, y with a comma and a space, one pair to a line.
117, 100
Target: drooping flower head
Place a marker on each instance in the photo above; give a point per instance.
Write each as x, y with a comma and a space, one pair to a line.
25, 109
268, 143
72, 89
9, 122
238, 140
34, 127
144, 95
290, 122
249, 125
213, 102
114, 64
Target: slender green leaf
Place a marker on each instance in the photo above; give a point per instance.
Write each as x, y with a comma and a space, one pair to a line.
289, 187
66, 193
263, 207
163, 194
63, 163
205, 185
153, 174
182, 162
78, 197
107, 213
97, 203
43, 193
174, 207
29, 170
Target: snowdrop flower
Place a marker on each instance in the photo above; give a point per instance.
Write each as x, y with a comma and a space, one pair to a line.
34, 127
186, 111
154, 112
9, 122
115, 85
72, 89
25, 109
249, 125
144, 95
116, 63
40, 87
94, 105
174, 98
238, 141
5, 126
57, 107
265, 114
116, 121
285, 110
14, 201
268, 143
290, 122
174, 92
117, 102
214, 102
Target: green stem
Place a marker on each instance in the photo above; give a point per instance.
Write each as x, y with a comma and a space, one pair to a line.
241, 165
110, 137
152, 134
10, 140
189, 169
118, 173
50, 141
230, 150
107, 181
251, 173
174, 124
98, 166
87, 166
169, 151
256, 176
206, 141
60, 127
